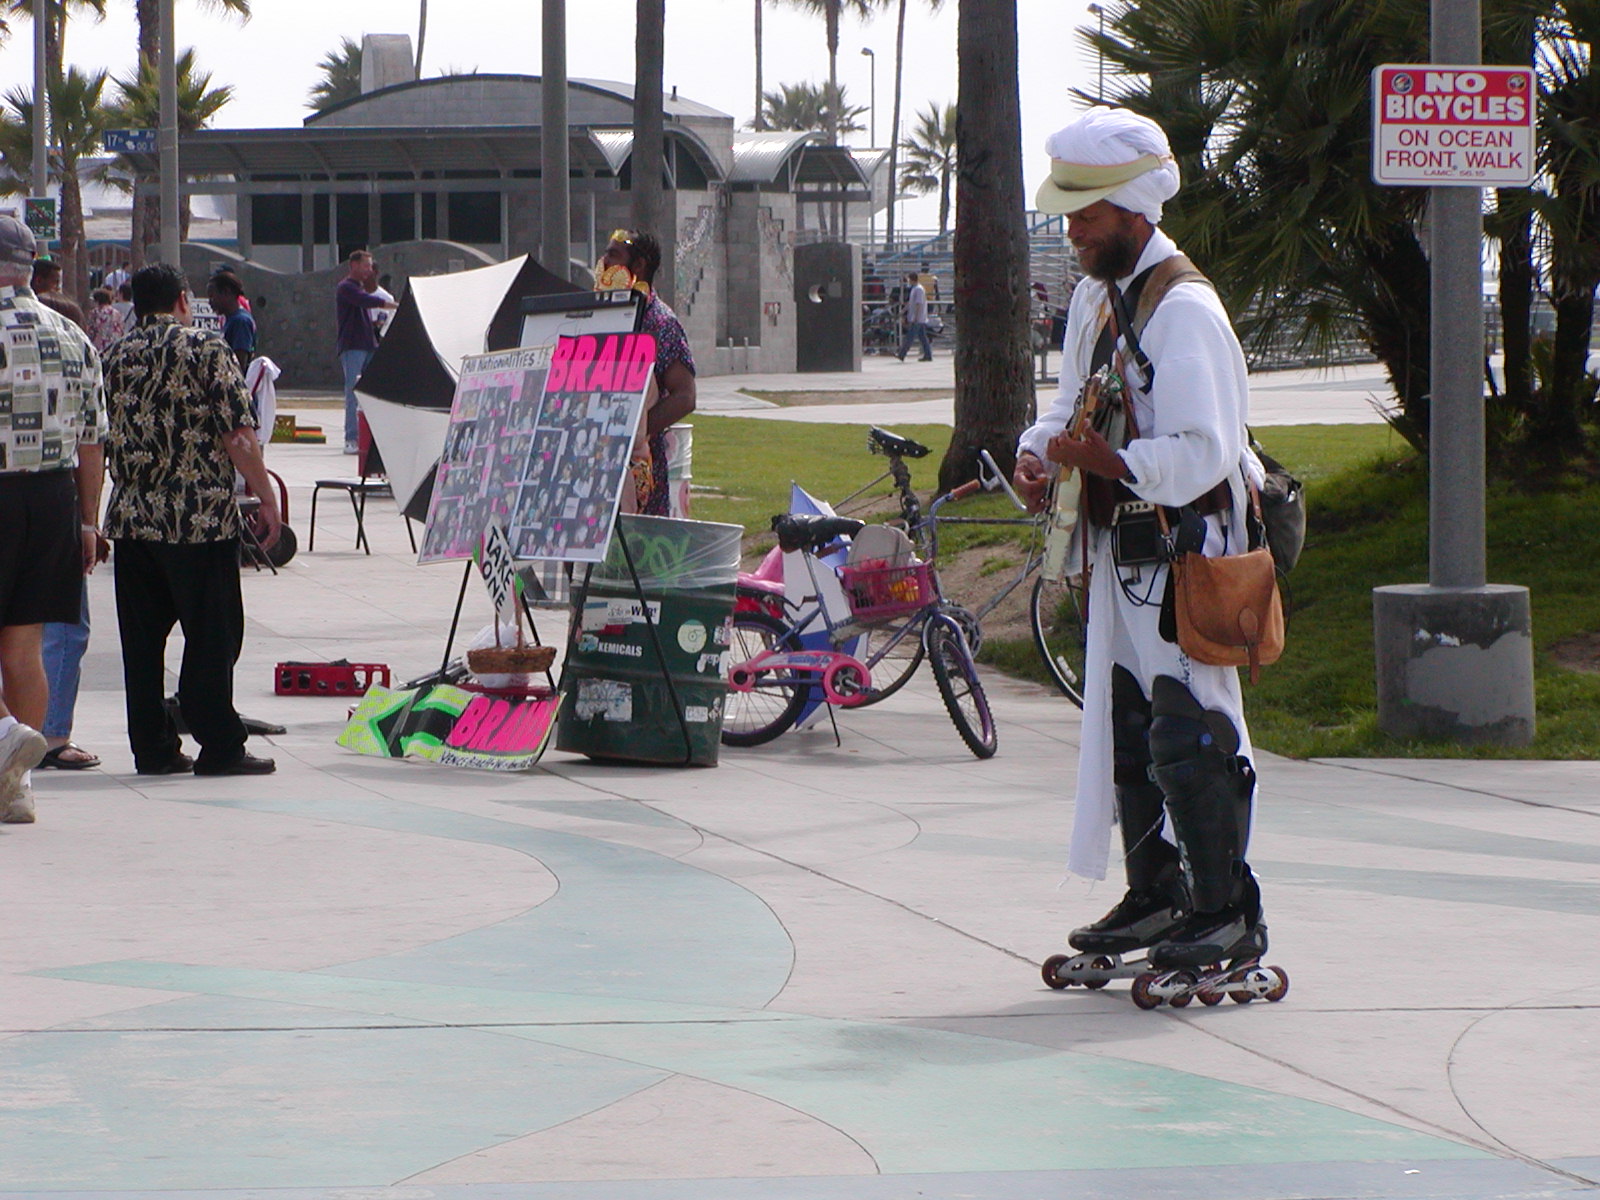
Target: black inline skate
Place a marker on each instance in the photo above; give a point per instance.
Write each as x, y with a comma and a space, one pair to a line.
1143, 918
1211, 955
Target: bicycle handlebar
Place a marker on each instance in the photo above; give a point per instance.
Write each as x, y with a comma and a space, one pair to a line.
993, 477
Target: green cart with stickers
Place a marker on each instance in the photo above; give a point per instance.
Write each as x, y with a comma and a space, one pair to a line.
645, 678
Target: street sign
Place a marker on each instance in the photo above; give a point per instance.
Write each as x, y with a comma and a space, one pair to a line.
131, 141
1444, 126
39, 215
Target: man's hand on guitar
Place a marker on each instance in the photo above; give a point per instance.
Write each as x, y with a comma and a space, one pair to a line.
1091, 453
1031, 480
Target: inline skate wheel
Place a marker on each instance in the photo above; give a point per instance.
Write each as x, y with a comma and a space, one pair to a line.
1100, 964
1142, 995
1048, 971
1242, 977
1186, 981
1210, 997
1280, 989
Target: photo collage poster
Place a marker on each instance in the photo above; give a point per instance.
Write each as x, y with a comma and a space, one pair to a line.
540, 438
491, 422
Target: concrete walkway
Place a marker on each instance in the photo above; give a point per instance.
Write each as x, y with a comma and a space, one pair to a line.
1337, 396
811, 972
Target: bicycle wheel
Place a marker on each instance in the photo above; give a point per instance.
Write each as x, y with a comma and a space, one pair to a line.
957, 677
894, 669
1058, 633
757, 716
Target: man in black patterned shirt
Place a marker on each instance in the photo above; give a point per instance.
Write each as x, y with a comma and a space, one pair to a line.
180, 425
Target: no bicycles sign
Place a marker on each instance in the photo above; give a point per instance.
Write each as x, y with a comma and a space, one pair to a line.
1444, 126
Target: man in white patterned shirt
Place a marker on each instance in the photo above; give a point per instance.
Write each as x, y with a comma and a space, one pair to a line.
52, 418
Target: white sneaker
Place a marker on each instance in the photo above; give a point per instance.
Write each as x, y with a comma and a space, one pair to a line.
20, 810
21, 749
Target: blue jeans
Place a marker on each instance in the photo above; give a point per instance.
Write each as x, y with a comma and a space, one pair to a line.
63, 651
916, 331
354, 362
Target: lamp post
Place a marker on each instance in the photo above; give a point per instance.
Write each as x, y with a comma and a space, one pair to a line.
1100, 55
872, 94
168, 136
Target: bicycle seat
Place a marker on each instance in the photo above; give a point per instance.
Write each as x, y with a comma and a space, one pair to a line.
881, 441
808, 531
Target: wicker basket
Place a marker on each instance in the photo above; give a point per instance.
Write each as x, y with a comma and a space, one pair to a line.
510, 660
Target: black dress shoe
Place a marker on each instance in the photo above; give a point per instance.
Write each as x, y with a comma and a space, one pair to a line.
245, 764
178, 764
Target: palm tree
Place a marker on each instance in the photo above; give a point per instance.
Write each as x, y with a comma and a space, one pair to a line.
931, 158
75, 268
650, 203
1569, 211
147, 200
894, 125
803, 106
77, 121
341, 76
994, 370
138, 106
1268, 108
832, 11
55, 30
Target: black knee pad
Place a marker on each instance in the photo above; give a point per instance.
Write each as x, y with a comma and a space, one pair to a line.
1130, 730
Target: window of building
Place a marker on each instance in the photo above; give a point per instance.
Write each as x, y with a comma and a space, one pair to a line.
475, 217
275, 220
395, 217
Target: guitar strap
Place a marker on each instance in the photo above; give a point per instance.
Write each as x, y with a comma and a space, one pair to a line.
1130, 313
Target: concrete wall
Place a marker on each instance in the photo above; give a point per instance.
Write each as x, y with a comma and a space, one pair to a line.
758, 311
294, 312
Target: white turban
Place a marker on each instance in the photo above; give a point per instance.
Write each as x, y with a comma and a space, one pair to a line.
1109, 154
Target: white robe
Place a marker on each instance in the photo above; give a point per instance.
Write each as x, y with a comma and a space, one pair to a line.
1192, 436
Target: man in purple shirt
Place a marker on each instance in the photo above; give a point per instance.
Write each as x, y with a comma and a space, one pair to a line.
352, 302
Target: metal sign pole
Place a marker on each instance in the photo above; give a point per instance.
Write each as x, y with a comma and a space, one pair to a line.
1455, 439
1454, 657
41, 100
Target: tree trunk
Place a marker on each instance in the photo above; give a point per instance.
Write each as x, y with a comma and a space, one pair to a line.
1516, 295
894, 127
944, 199
650, 203
74, 259
761, 121
994, 370
1557, 424
1399, 320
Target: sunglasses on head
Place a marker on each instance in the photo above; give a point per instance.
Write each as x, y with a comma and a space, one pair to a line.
623, 237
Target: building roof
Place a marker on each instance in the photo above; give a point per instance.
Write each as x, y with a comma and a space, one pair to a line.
497, 99
763, 158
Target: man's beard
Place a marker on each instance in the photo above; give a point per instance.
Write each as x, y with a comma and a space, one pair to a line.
1114, 258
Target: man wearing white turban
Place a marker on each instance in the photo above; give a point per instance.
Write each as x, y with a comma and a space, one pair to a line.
1165, 745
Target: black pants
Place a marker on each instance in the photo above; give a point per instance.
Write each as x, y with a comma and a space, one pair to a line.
197, 587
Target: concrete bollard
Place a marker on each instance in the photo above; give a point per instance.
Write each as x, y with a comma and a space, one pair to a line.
1455, 664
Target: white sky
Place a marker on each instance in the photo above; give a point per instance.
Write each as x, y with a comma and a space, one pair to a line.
271, 62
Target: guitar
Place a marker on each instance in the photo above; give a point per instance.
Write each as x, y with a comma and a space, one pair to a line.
1099, 401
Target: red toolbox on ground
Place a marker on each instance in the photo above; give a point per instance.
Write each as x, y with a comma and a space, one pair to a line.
328, 678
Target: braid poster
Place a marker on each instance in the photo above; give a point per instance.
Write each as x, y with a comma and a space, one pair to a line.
541, 438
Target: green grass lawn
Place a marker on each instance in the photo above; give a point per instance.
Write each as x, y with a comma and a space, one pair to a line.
1368, 527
